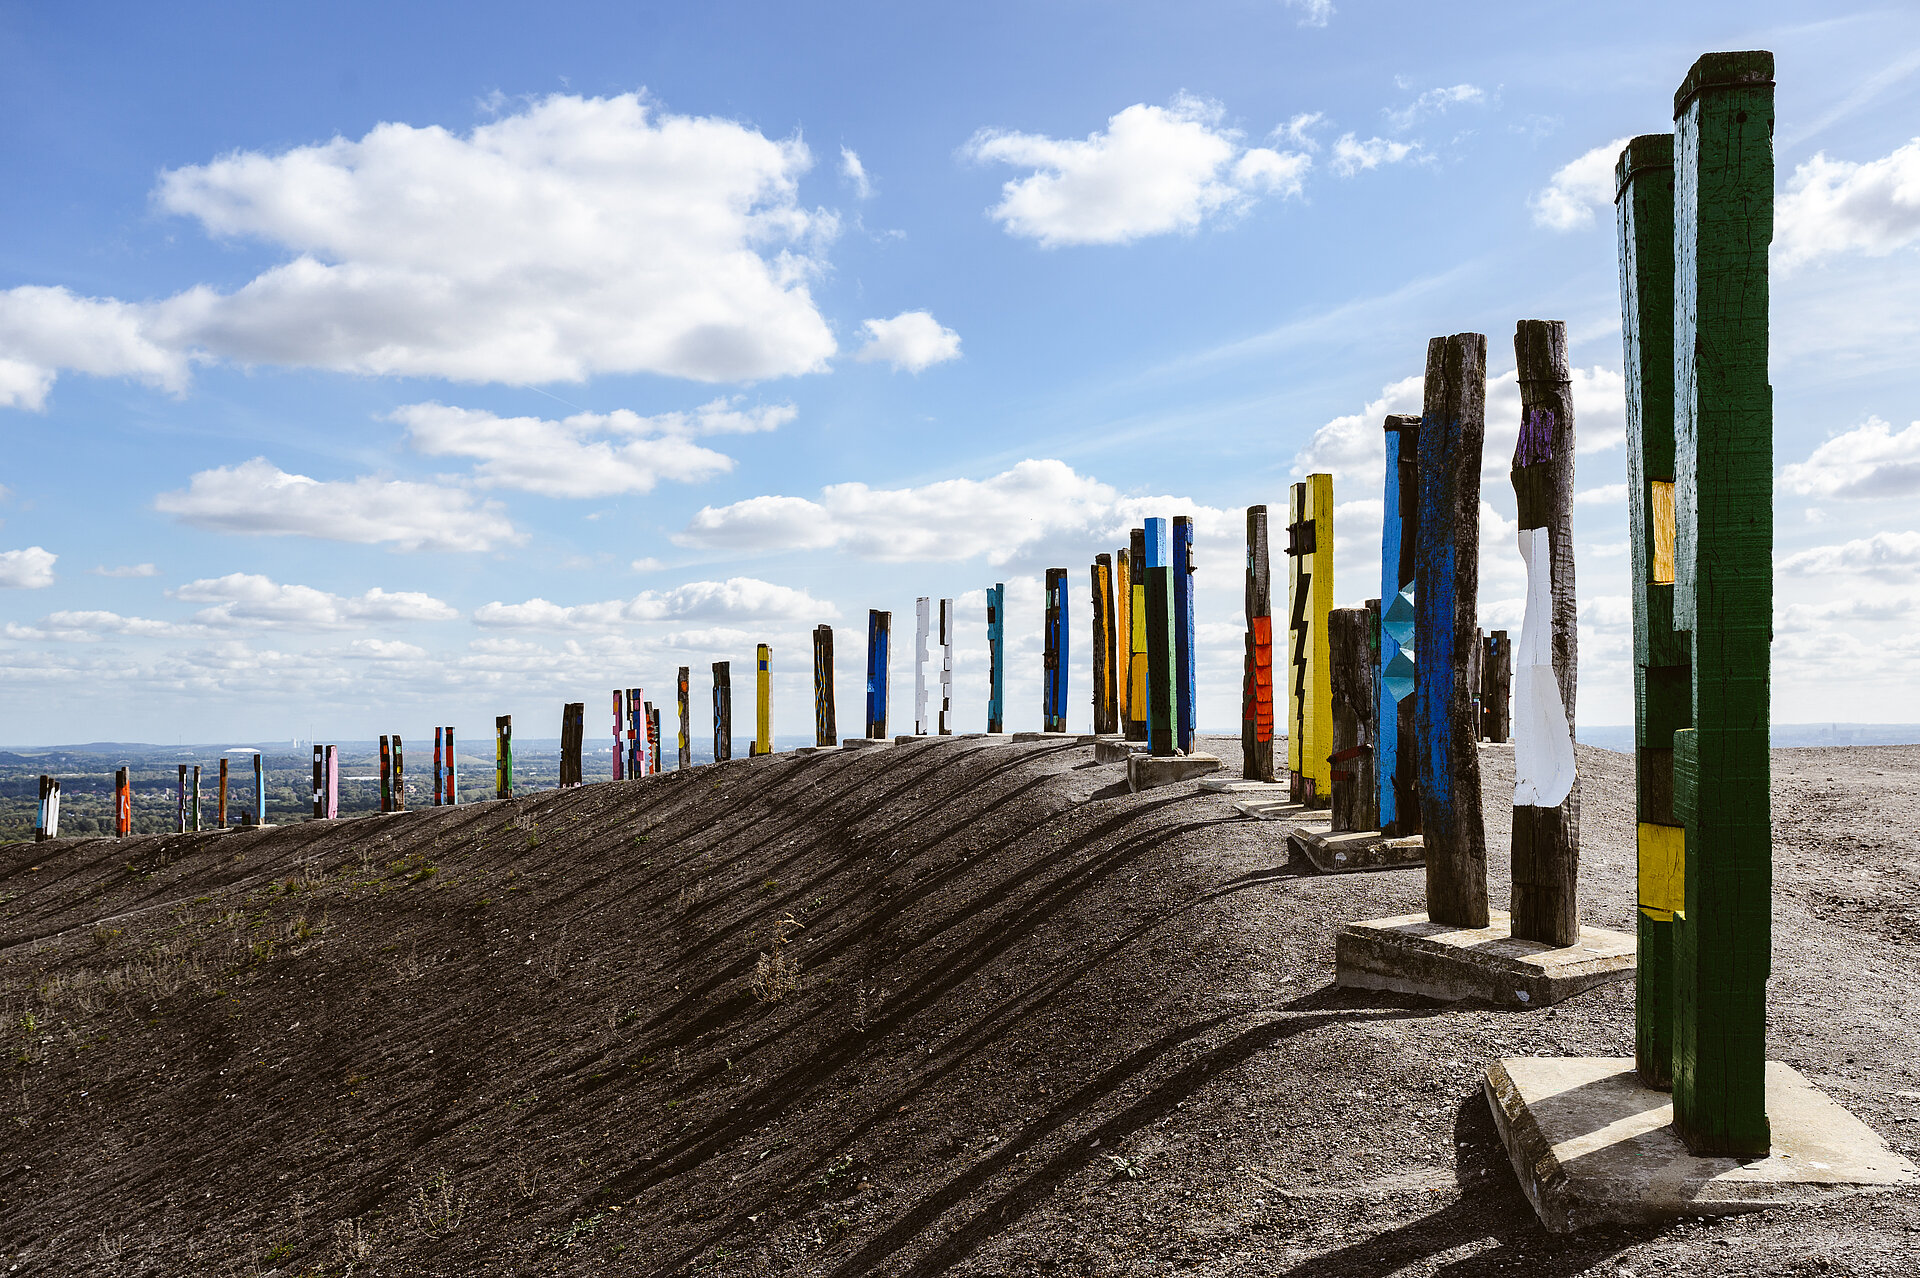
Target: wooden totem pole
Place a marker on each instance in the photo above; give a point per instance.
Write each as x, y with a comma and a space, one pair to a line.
1396, 756
1546, 790
996, 657
573, 732
722, 711
1106, 704
46, 823
636, 733
879, 627
449, 773
1723, 599
123, 803
221, 799
1256, 691
1053, 709
1310, 598
259, 789
825, 731
319, 782
386, 773
619, 737
763, 700
1123, 574
1353, 642
684, 696
180, 803
503, 756
946, 668
922, 623
1163, 706
196, 797
1137, 637
333, 783
1662, 658
1447, 582
1185, 684
659, 742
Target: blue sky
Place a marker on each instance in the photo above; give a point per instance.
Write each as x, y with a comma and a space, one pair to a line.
400, 365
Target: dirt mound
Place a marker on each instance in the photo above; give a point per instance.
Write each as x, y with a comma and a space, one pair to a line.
949, 1007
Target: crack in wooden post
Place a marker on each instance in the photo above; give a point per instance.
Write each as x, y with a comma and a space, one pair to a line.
1447, 581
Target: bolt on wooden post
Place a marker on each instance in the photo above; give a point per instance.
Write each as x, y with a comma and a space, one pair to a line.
1106, 708
997, 657
1546, 790
1310, 598
1723, 598
1662, 658
1397, 757
722, 711
879, 630
503, 756
825, 730
1053, 709
1137, 636
1447, 576
763, 701
1256, 690
1185, 685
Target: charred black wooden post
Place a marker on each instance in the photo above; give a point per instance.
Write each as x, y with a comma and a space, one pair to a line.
1136, 726
1447, 575
1496, 687
722, 711
1546, 791
222, 799
1477, 680
1397, 754
196, 797
825, 731
1723, 599
1351, 642
1106, 705
1185, 682
1053, 710
1256, 695
1163, 706
684, 692
1662, 662
180, 803
573, 732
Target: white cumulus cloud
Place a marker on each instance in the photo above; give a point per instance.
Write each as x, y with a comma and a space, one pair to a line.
1154, 170
1838, 206
1891, 556
1351, 156
855, 173
736, 599
28, 569
912, 340
90, 626
1577, 188
1869, 461
258, 497
587, 454
251, 600
574, 237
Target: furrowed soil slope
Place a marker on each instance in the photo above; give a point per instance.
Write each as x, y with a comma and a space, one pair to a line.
1020, 1022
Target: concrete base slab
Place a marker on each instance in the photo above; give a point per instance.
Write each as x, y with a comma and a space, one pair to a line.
862, 743
1239, 785
1413, 955
1055, 738
1144, 772
1278, 809
816, 749
1591, 1146
908, 738
1352, 850
1116, 749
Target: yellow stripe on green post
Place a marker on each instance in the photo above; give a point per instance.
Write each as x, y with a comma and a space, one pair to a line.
763, 701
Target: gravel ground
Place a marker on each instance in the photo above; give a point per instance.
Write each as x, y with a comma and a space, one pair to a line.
948, 1007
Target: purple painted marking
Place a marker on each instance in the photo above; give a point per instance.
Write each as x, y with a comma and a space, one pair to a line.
1536, 438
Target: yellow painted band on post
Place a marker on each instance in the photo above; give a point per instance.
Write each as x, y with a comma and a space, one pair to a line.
763, 710
1663, 869
1658, 916
1319, 716
1663, 531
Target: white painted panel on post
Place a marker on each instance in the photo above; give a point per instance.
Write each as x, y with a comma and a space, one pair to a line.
1542, 740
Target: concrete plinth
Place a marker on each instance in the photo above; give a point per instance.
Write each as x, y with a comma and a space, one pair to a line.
1145, 772
1352, 850
862, 743
816, 749
1277, 808
1591, 1146
1116, 749
1239, 785
908, 738
1413, 955
1055, 738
